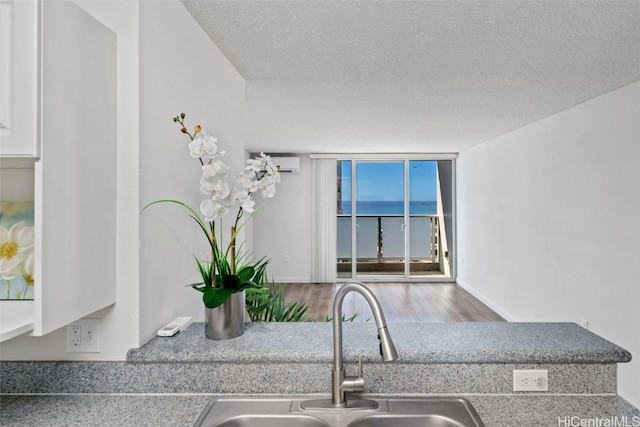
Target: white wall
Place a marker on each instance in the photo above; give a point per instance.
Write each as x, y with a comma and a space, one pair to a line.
181, 70
548, 222
282, 228
119, 327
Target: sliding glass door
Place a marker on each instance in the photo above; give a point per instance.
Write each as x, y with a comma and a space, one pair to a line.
387, 219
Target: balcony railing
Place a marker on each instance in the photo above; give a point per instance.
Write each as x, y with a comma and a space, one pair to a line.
381, 238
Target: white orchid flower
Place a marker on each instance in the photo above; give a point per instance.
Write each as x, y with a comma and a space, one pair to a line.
220, 167
203, 146
215, 168
242, 199
15, 246
253, 186
216, 188
272, 172
208, 209
254, 165
267, 187
208, 171
244, 179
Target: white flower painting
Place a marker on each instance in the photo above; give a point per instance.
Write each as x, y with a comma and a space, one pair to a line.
16, 251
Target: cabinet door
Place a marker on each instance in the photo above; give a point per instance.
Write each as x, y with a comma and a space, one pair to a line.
75, 178
18, 78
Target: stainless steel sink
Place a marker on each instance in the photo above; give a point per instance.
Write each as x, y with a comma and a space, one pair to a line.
431, 412
264, 420
390, 412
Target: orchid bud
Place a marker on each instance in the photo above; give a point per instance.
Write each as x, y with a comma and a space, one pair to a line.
182, 115
197, 129
183, 130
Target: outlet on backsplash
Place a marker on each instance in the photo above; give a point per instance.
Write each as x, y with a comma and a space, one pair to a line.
530, 380
83, 336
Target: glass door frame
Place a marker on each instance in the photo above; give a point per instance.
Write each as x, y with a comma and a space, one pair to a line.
354, 215
406, 158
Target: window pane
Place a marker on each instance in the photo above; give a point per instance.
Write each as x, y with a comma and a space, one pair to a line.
380, 217
422, 187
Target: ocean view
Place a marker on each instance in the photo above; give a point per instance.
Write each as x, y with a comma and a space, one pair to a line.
391, 208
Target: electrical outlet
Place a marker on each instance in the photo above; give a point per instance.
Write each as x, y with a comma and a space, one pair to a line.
83, 336
530, 380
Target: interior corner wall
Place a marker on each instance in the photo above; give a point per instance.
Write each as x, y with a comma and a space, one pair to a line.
282, 228
181, 70
548, 222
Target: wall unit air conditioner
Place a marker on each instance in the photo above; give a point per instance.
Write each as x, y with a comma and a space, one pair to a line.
287, 164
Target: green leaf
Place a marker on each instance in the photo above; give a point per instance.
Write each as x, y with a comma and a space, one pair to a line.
214, 297
249, 285
245, 273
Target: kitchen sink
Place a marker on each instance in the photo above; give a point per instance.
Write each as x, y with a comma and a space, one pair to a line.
387, 412
272, 421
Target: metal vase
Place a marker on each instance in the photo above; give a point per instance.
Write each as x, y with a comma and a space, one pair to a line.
227, 320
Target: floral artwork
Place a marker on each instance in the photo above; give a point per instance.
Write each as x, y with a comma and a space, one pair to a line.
16, 250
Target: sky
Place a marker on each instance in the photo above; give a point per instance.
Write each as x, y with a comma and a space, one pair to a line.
383, 181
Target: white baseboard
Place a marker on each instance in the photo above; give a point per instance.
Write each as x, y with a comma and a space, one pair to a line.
291, 279
486, 301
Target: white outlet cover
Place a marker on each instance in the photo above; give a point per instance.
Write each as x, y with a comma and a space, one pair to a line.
88, 338
530, 380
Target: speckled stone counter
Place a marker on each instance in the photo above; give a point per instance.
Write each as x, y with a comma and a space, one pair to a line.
291, 358
183, 410
169, 380
498, 342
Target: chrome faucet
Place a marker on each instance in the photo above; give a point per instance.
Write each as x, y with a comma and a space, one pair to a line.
341, 384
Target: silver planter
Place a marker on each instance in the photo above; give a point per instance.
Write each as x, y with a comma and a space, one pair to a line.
225, 321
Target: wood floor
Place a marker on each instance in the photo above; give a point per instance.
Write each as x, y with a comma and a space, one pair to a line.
401, 302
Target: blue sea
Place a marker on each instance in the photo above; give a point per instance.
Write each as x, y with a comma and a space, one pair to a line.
391, 208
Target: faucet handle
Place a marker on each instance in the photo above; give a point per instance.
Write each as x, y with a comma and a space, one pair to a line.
353, 384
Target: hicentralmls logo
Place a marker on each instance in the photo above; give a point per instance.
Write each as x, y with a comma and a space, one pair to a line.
615, 421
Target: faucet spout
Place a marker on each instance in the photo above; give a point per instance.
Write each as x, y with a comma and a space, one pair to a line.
341, 383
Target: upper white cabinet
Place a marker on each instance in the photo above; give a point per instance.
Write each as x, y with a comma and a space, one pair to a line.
19, 21
74, 174
75, 178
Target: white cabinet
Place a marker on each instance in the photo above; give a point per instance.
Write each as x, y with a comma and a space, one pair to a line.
18, 77
74, 178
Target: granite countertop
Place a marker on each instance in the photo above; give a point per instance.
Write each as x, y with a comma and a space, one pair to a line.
183, 410
169, 381
498, 342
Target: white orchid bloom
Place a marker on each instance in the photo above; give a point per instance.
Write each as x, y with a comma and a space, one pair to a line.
220, 167
268, 187
244, 179
208, 209
213, 210
221, 210
242, 199
253, 186
265, 157
272, 171
254, 165
215, 168
208, 171
15, 245
216, 188
203, 146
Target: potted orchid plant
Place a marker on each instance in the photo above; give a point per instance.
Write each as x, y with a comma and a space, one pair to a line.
228, 270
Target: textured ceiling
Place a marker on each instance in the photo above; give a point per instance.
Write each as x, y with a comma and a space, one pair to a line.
416, 76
